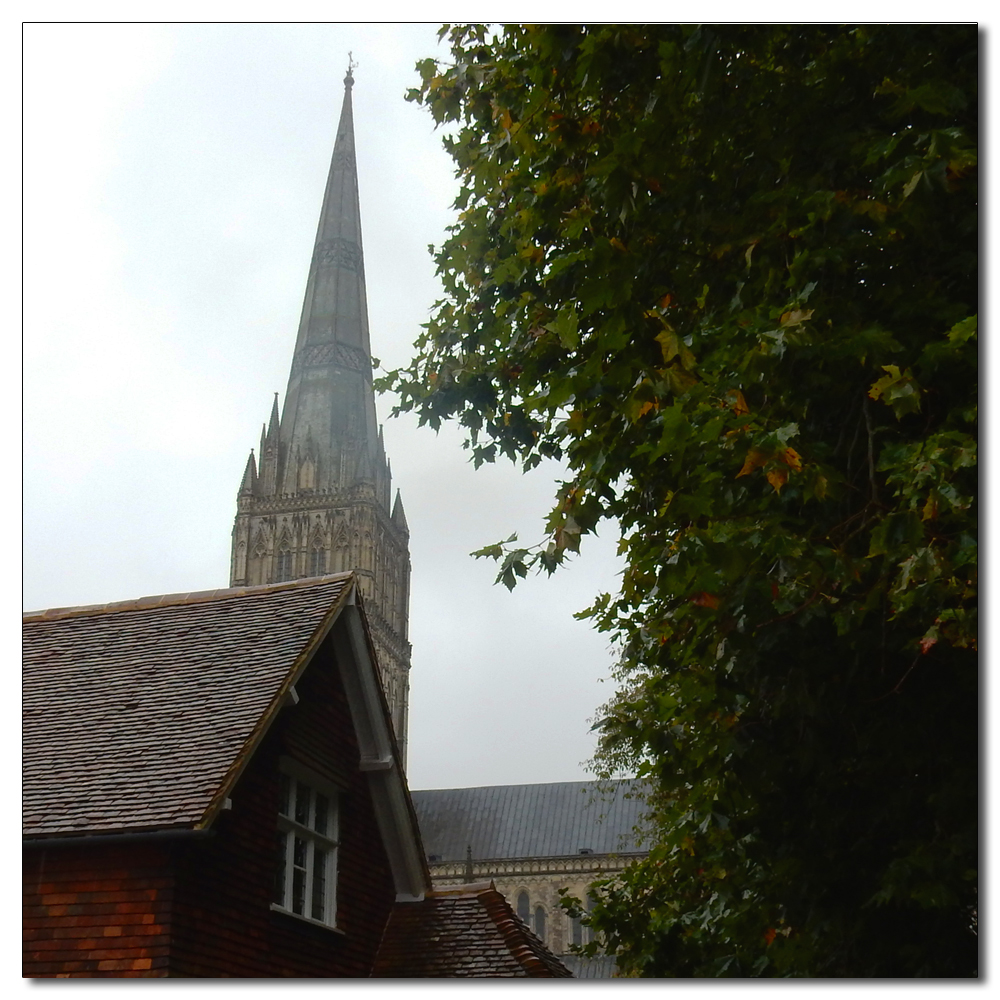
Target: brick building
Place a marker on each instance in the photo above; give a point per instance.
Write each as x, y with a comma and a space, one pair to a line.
532, 841
212, 788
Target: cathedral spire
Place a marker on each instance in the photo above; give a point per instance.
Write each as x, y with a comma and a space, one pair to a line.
330, 386
318, 496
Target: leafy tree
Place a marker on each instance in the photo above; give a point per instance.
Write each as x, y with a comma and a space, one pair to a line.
729, 275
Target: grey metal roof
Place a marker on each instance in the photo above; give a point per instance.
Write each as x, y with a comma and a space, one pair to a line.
524, 821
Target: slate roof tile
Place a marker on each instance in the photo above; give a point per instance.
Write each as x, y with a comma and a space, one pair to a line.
135, 712
460, 932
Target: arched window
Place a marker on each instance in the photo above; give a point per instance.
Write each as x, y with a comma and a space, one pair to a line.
540, 922
283, 570
589, 932
241, 561
317, 562
524, 908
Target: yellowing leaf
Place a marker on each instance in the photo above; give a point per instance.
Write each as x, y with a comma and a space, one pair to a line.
795, 317
737, 403
885, 381
754, 460
670, 343
791, 458
679, 379
673, 346
617, 244
777, 478
911, 184
898, 390
705, 600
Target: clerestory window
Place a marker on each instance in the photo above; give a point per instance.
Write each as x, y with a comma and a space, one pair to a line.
283, 569
540, 923
306, 882
317, 562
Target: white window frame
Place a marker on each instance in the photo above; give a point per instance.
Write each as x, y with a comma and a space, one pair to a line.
314, 841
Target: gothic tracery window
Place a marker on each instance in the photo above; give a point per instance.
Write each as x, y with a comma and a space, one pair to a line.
540, 922
317, 562
283, 568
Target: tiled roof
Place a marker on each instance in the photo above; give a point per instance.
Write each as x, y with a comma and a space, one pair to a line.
529, 821
462, 931
134, 713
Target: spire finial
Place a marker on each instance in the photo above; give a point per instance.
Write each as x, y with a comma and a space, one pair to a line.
351, 66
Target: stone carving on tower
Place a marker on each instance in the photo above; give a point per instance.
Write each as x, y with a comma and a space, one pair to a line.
319, 497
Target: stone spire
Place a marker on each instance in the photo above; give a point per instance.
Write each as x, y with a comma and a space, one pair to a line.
318, 497
249, 483
398, 514
329, 388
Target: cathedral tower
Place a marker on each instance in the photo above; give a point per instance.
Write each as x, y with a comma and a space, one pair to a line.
318, 498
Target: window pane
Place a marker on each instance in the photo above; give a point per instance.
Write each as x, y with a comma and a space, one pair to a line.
319, 884
576, 930
302, 803
540, 922
523, 907
299, 876
322, 813
306, 872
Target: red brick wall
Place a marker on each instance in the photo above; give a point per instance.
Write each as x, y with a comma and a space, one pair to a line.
201, 906
97, 911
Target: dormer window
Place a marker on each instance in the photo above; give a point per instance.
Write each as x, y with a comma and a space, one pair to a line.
306, 882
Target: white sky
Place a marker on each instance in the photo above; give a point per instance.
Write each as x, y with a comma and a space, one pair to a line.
173, 177
173, 180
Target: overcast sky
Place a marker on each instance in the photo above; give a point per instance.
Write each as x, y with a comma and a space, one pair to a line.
174, 176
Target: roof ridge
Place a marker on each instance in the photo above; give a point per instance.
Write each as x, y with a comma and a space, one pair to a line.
525, 947
177, 600
462, 889
527, 784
